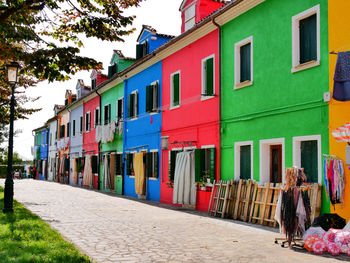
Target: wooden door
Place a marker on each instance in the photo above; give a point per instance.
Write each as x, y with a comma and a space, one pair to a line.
276, 163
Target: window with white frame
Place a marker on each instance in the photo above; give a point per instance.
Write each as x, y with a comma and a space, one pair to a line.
307, 155
208, 79
132, 104
152, 97
81, 125
107, 114
120, 109
97, 117
190, 17
244, 63
175, 86
205, 164
87, 121
306, 39
152, 161
244, 160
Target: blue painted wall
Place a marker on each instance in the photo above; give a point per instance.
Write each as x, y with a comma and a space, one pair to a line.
44, 148
153, 44
145, 130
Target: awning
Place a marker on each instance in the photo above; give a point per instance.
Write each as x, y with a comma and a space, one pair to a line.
342, 134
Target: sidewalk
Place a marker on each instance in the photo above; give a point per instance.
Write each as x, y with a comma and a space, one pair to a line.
109, 228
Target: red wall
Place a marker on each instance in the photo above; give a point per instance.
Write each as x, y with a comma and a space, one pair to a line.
100, 79
90, 146
195, 119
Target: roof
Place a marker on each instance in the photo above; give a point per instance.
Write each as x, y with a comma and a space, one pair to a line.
51, 119
120, 54
152, 31
217, 1
40, 128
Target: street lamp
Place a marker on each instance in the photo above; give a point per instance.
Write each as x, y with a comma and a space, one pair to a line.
12, 75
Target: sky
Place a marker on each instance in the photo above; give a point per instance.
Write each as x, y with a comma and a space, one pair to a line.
163, 15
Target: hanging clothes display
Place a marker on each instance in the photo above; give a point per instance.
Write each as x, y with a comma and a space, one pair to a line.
105, 133
334, 179
139, 174
293, 208
106, 173
185, 187
87, 173
341, 90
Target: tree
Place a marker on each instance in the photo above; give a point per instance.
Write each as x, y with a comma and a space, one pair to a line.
16, 158
46, 37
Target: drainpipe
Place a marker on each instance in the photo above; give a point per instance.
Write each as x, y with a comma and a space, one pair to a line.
219, 89
99, 143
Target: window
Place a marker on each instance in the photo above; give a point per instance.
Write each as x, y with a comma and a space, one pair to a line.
142, 49
93, 83
87, 121
132, 105
244, 160
94, 164
244, 63
306, 39
112, 70
205, 164
120, 109
208, 76
50, 138
62, 127
175, 89
107, 114
68, 129
152, 97
81, 125
172, 161
307, 155
73, 128
119, 164
97, 117
130, 164
152, 160
190, 17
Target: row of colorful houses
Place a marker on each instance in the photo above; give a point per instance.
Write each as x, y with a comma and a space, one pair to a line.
246, 88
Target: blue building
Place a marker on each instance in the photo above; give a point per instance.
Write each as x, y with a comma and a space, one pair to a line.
142, 125
41, 152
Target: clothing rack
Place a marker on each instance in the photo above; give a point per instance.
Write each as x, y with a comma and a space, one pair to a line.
332, 156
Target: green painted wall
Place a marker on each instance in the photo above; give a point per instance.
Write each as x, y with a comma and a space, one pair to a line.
279, 104
110, 97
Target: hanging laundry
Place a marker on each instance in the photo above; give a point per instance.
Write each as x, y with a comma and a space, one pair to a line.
341, 90
334, 179
87, 173
139, 174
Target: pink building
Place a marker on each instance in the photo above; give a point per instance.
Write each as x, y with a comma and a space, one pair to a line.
190, 118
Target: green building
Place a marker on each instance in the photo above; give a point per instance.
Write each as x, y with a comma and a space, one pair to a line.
274, 80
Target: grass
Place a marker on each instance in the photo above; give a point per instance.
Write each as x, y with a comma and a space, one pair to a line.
24, 237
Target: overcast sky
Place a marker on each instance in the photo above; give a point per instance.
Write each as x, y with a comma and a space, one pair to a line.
163, 15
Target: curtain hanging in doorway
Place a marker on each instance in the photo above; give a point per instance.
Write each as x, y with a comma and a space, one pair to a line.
139, 174
185, 189
341, 91
106, 173
74, 171
87, 177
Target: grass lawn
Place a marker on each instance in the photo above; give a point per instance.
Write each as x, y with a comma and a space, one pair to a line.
24, 237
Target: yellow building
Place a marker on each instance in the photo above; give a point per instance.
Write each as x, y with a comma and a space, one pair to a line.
339, 112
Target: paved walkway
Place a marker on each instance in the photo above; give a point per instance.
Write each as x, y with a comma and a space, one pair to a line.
115, 229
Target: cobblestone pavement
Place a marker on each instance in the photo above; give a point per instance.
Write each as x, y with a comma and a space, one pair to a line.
109, 228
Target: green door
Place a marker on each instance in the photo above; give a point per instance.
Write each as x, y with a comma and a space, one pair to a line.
245, 162
309, 162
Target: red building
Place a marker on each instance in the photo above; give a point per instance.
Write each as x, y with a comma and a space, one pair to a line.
190, 117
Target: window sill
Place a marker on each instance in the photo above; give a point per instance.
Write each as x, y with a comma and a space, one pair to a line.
307, 65
152, 178
205, 97
119, 176
174, 107
243, 84
133, 118
131, 176
153, 112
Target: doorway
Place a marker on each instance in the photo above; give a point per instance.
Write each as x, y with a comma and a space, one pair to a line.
276, 163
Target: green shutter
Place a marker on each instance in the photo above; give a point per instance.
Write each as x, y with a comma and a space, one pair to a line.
110, 72
245, 162
139, 51
309, 160
149, 98
308, 39
172, 160
176, 89
156, 91
128, 106
245, 52
209, 66
212, 164
156, 161
198, 164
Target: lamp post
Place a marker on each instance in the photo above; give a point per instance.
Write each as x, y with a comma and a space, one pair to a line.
12, 74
